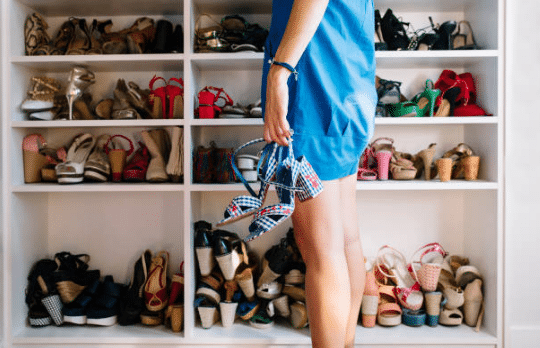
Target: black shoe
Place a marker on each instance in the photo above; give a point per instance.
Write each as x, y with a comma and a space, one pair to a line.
393, 32
163, 40
445, 32
132, 304
177, 42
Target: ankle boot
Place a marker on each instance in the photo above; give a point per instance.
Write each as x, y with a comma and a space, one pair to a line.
156, 168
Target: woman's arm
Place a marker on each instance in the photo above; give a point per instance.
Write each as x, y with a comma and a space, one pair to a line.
305, 17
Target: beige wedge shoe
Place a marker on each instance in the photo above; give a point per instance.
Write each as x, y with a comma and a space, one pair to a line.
427, 158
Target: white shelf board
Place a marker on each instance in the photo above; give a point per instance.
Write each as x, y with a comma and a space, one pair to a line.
227, 7
104, 8
433, 59
377, 185
435, 121
98, 187
228, 61
136, 335
104, 62
243, 333
97, 123
228, 122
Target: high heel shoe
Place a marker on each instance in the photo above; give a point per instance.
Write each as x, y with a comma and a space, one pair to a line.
155, 290
445, 32
383, 154
427, 158
80, 41
175, 95
448, 102
464, 39
393, 31
426, 100
158, 97
79, 79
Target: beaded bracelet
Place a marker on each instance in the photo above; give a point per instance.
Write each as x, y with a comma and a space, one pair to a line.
286, 66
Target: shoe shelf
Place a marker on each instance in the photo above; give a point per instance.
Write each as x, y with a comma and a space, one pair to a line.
41, 219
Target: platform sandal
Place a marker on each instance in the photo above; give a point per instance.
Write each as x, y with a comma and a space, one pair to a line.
230, 252
135, 169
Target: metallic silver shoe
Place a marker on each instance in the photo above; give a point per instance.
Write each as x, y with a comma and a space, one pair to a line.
79, 80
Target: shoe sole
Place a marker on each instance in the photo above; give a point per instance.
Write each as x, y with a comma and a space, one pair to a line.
78, 320
102, 321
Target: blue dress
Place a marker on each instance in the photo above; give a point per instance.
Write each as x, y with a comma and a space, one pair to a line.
332, 103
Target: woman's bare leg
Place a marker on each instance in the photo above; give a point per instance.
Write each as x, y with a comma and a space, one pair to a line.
353, 253
320, 235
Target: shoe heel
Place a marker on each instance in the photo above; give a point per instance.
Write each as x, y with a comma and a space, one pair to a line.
427, 158
383, 163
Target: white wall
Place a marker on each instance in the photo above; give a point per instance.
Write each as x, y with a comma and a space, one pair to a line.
522, 175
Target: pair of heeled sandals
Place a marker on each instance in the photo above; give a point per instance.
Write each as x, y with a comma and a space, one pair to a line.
291, 176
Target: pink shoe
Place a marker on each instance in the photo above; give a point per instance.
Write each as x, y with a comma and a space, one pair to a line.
383, 154
428, 267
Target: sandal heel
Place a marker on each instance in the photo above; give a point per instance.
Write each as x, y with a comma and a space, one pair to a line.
383, 163
427, 158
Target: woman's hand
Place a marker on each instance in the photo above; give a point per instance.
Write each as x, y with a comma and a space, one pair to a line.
276, 126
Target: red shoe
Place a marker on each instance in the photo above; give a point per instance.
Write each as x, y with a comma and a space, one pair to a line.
176, 98
155, 289
449, 79
158, 95
177, 287
135, 170
470, 110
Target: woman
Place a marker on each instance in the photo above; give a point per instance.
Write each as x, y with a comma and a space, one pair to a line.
318, 80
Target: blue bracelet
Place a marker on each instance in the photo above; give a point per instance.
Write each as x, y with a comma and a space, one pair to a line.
286, 66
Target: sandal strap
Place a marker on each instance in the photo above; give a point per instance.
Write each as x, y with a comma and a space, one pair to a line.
106, 146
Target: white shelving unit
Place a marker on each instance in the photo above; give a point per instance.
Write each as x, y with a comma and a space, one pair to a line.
115, 223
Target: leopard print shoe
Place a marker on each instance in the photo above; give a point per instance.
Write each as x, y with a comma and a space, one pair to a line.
35, 33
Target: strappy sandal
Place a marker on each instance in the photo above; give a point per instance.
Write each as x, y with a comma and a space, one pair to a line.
155, 290
268, 218
212, 100
407, 290
72, 171
97, 167
244, 206
401, 168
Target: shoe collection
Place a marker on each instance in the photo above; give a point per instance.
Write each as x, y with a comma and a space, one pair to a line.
381, 161
233, 283
78, 36
47, 100
63, 290
451, 95
104, 158
434, 288
232, 34
391, 33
